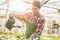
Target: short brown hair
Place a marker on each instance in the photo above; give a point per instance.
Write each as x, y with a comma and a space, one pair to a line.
37, 3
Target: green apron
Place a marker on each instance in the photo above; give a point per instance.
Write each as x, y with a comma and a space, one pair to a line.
30, 29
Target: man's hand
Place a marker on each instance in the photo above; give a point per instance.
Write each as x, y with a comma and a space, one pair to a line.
34, 36
11, 15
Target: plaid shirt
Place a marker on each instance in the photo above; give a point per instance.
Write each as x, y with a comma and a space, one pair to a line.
37, 19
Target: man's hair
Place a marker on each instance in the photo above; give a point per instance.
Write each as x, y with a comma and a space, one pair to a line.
37, 3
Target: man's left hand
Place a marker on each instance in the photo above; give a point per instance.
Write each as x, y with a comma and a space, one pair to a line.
34, 36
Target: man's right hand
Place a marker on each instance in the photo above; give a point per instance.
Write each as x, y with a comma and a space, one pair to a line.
11, 15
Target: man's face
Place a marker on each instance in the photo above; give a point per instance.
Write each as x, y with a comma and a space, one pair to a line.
35, 9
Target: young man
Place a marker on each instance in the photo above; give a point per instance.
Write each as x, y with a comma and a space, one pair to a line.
34, 21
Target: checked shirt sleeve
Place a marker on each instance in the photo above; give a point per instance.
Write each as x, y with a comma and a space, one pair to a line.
40, 25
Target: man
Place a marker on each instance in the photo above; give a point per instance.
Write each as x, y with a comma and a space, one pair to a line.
34, 20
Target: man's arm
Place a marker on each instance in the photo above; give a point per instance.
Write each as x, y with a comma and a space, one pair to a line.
23, 17
40, 26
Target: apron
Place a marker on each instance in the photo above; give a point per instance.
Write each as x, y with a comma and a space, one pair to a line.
30, 28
